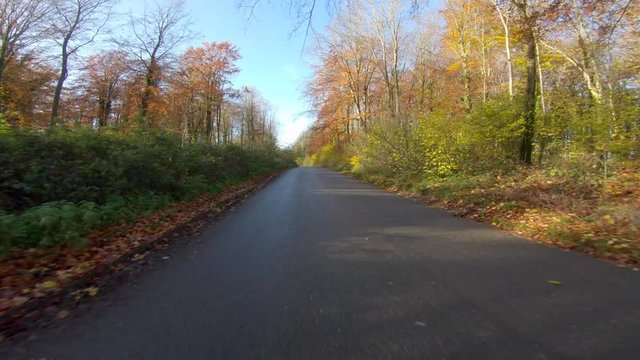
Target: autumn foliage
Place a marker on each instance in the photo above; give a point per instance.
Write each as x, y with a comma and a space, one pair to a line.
94, 135
486, 105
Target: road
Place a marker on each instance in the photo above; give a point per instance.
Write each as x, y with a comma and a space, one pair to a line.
319, 266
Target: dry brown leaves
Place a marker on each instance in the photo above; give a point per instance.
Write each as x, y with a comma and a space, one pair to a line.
36, 273
603, 221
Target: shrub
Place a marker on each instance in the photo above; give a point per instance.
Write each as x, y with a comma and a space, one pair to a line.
57, 185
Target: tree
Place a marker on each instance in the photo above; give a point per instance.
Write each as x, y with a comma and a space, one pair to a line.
154, 37
25, 93
502, 9
593, 26
354, 64
331, 98
256, 120
386, 27
427, 63
104, 73
527, 27
204, 73
75, 24
22, 23
459, 15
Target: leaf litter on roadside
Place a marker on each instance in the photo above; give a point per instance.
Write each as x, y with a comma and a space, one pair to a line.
36, 273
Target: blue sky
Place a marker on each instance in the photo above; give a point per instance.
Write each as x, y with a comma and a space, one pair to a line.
273, 60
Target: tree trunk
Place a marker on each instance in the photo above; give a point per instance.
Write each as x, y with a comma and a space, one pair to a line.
485, 72
3, 62
526, 148
466, 83
104, 110
208, 119
591, 73
365, 119
396, 80
507, 45
218, 122
150, 84
509, 64
3, 65
540, 78
64, 72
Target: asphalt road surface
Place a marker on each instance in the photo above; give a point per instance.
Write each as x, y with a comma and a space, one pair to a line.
320, 266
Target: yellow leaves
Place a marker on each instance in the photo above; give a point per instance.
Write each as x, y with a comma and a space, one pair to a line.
555, 282
354, 161
92, 291
455, 66
48, 285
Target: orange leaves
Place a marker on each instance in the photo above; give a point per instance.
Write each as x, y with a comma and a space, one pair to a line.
207, 69
201, 84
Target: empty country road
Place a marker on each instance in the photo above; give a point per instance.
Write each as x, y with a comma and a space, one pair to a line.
320, 266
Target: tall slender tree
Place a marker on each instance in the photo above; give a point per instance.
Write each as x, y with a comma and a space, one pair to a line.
75, 24
155, 36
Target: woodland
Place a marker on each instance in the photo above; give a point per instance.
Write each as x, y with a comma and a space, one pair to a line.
115, 138
520, 113
103, 118
119, 143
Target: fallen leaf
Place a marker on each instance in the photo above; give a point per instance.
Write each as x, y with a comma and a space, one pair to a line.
554, 282
420, 323
19, 300
92, 291
138, 257
62, 314
36, 273
49, 284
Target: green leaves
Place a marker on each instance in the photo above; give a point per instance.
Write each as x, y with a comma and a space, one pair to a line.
56, 186
50, 224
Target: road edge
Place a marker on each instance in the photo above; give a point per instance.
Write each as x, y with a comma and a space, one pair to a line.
46, 310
